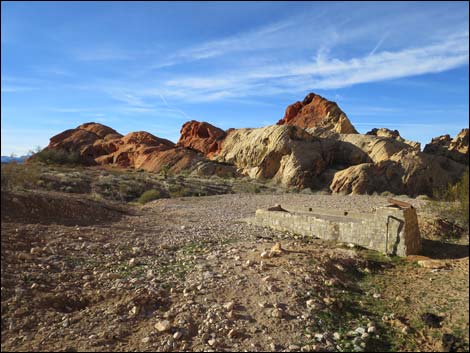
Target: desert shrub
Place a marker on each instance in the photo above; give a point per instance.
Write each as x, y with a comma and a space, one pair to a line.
386, 194
164, 170
185, 172
180, 191
19, 176
57, 157
453, 202
149, 195
246, 186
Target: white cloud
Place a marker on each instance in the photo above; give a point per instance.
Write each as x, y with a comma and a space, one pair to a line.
323, 73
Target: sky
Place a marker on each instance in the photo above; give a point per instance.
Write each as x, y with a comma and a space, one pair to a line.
152, 66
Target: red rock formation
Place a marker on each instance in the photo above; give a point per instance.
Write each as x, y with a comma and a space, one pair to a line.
99, 144
143, 138
316, 111
202, 137
83, 139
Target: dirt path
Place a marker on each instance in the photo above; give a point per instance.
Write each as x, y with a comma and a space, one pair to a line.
187, 274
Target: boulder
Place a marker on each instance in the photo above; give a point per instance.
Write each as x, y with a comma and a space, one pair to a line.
367, 178
207, 168
316, 111
202, 137
455, 149
394, 134
406, 172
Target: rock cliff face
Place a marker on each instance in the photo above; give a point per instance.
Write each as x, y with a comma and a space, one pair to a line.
286, 154
411, 173
346, 163
455, 149
316, 111
314, 145
201, 136
99, 144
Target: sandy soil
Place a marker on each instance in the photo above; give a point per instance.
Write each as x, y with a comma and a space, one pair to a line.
186, 274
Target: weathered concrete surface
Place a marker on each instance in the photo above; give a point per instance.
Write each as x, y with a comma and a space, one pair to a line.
391, 229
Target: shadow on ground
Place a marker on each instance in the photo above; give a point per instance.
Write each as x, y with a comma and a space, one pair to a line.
57, 208
444, 251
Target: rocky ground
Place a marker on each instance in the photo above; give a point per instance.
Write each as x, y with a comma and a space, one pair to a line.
187, 274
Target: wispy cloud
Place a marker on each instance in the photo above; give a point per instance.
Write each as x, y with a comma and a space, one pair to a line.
323, 73
259, 38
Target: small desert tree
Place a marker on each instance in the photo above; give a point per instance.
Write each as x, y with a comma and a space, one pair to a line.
453, 202
165, 170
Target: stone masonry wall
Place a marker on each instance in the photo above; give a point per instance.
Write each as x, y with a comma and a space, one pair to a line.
369, 231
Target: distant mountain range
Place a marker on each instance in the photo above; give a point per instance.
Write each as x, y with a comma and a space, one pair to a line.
7, 159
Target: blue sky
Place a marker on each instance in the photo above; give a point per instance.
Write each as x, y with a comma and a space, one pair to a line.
154, 65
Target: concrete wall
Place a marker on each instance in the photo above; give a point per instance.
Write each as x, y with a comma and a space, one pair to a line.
391, 230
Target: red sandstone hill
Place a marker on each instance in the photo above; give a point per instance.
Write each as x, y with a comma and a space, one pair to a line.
202, 137
316, 111
314, 145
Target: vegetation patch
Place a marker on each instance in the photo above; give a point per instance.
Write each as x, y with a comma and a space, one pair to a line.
149, 195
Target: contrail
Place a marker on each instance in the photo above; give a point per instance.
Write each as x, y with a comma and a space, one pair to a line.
174, 109
379, 44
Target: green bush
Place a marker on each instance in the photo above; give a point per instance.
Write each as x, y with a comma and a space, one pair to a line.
180, 191
453, 202
57, 157
149, 195
164, 170
461, 196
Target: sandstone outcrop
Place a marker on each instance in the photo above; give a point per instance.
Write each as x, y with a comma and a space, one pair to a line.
286, 154
406, 172
83, 138
346, 163
455, 149
316, 111
99, 144
314, 146
394, 134
201, 136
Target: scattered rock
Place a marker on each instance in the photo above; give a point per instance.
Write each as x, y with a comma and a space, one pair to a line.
276, 250
163, 325
229, 306
211, 342
432, 264
268, 278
